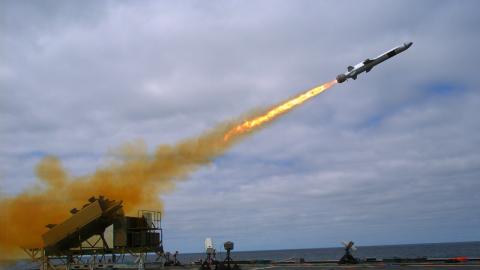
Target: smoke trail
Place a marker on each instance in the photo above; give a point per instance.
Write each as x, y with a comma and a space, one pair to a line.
138, 178
277, 111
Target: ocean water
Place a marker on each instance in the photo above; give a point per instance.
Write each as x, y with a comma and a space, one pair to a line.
439, 250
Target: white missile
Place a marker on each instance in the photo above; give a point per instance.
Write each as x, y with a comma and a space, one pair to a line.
368, 64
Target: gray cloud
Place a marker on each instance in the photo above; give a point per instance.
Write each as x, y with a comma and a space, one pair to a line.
384, 159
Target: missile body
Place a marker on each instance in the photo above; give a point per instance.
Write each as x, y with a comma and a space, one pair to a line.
368, 64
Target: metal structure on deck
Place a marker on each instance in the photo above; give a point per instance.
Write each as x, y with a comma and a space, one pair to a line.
99, 235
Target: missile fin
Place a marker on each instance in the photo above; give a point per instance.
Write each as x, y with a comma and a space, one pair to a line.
367, 61
368, 69
349, 68
354, 77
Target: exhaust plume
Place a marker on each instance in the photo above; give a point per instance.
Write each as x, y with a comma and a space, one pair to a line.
276, 111
137, 178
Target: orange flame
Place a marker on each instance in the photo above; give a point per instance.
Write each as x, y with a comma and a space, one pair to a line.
277, 110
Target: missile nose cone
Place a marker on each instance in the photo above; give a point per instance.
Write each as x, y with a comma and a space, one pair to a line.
408, 44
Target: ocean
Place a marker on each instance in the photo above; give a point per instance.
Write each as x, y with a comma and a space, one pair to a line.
437, 250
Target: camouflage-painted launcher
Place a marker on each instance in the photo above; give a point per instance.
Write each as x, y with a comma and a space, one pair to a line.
92, 219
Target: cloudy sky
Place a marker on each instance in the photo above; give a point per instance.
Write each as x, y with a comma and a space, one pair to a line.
393, 157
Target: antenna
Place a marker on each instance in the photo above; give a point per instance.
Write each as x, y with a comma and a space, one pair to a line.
209, 249
348, 257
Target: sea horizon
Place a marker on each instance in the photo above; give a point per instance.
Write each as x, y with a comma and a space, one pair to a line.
333, 247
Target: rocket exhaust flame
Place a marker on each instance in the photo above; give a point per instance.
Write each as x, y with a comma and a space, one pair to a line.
278, 110
137, 178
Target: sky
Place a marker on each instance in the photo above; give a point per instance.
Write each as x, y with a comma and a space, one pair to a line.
391, 158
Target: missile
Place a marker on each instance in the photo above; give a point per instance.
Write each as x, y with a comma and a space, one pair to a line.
368, 64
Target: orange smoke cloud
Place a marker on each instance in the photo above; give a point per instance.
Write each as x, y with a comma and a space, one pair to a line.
137, 178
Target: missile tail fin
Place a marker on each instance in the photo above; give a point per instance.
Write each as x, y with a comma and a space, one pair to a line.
349, 68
